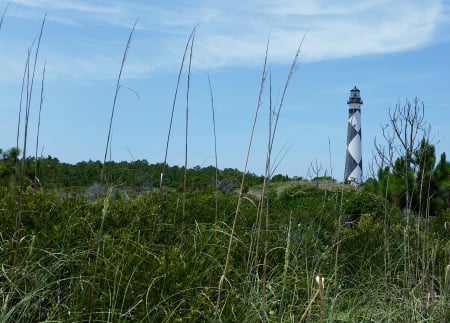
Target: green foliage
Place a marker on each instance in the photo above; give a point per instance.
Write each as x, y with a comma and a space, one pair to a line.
139, 259
9, 170
424, 189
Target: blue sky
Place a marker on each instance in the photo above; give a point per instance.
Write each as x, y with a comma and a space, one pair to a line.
392, 51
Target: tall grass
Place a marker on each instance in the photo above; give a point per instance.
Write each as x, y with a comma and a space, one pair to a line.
271, 140
180, 71
36, 179
223, 277
263, 203
216, 179
116, 93
186, 134
29, 93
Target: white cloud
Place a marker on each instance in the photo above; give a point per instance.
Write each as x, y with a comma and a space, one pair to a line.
344, 29
231, 33
68, 5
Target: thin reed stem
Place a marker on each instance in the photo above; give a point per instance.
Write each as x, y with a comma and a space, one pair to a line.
216, 184
294, 66
118, 86
24, 78
173, 111
285, 268
265, 200
36, 179
187, 131
241, 189
272, 134
24, 150
386, 253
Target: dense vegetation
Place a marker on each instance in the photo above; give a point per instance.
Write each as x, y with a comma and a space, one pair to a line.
424, 187
134, 177
159, 256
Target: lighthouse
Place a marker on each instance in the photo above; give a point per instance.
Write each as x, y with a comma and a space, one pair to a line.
353, 159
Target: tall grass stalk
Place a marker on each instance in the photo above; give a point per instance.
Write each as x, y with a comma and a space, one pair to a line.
264, 209
329, 157
36, 179
253, 255
102, 173
24, 77
272, 133
285, 269
223, 277
29, 87
386, 249
187, 131
180, 71
116, 93
264, 203
216, 183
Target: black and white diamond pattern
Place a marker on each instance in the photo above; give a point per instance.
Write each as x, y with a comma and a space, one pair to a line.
353, 161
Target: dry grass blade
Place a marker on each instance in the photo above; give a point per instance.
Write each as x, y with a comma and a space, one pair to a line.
319, 293
294, 66
272, 132
25, 72
187, 129
241, 190
36, 179
3, 15
118, 86
173, 110
216, 184
265, 202
30, 83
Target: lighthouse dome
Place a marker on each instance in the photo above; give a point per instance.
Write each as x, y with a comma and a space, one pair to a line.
354, 96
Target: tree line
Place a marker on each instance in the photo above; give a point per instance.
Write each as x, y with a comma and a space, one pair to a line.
139, 175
